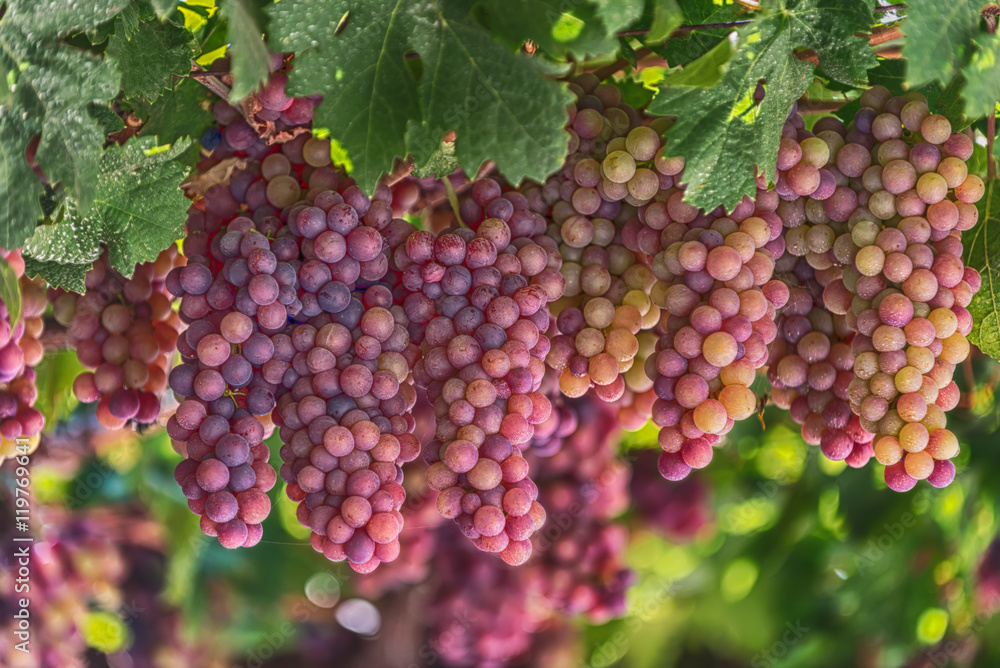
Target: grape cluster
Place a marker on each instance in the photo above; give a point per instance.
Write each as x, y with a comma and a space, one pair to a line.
335, 368
681, 511
563, 420
628, 246
615, 165
347, 430
238, 292
579, 567
273, 116
877, 210
76, 571
34, 302
477, 304
810, 368
715, 283
20, 351
987, 585
417, 548
217, 426
126, 331
462, 630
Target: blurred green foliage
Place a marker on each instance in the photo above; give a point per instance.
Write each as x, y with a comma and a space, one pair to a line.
806, 563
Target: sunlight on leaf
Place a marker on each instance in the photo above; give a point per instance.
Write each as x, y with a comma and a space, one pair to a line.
566, 28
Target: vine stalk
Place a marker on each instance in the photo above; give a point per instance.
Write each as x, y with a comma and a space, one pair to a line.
990, 14
683, 30
55, 337
212, 82
880, 35
402, 170
991, 131
433, 202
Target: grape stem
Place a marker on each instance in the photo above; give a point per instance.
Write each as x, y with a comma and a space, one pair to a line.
132, 126
207, 73
402, 170
55, 337
880, 35
884, 34
991, 131
211, 81
807, 106
968, 399
990, 15
432, 203
683, 30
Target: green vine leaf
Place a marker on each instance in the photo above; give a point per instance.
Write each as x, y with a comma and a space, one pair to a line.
665, 17
38, 20
982, 90
618, 14
721, 132
634, 93
982, 252
579, 29
950, 101
149, 54
496, 101
707, 70
106, 117
507, 112
10, 291
938, 38
945, 43
164, 7
129, 16
366, 107
829, 27
54, 377
20, 189
250, 57
627, 52
67, 275
51, 87
184, 111
139, 210
693, 45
